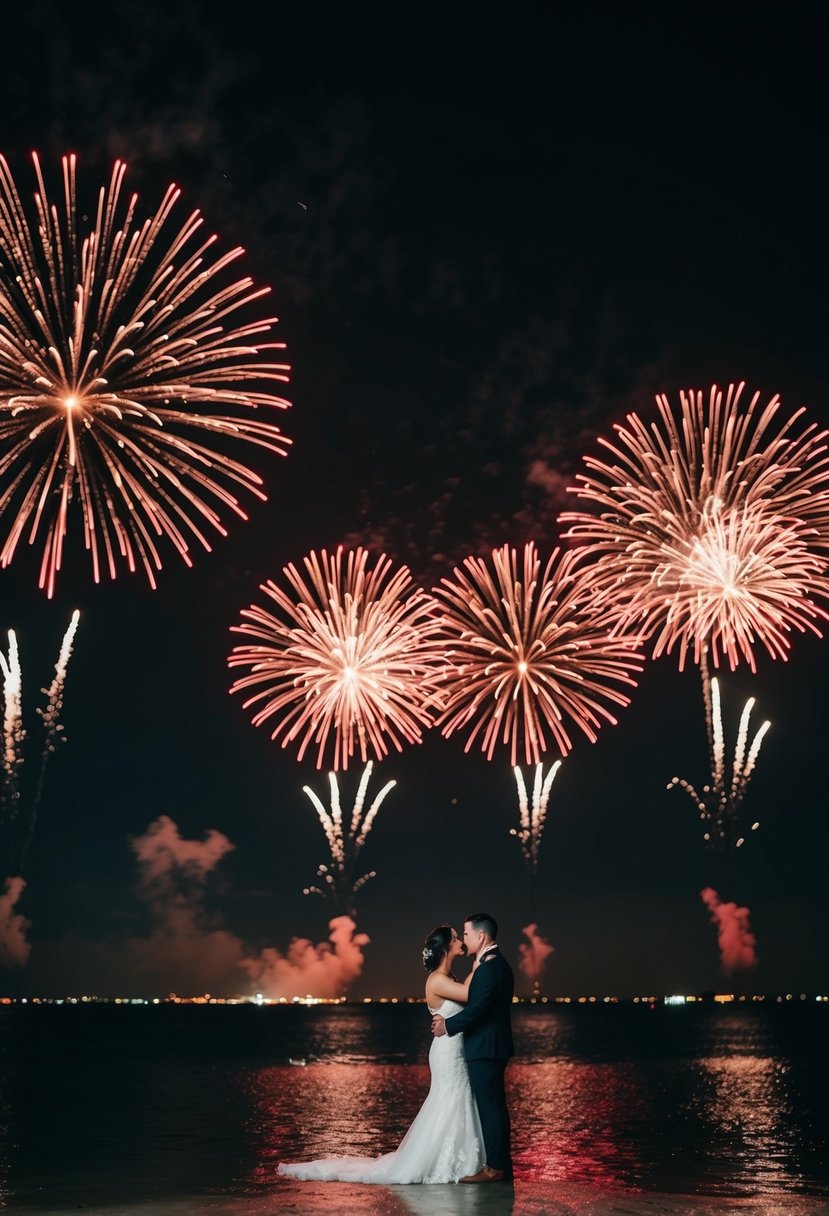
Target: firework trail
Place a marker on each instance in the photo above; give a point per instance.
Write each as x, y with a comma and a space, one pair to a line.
13, 732
525, 652
121, 348
53, 730
720, 800
14, 736
349, 657
345, 840
712, 530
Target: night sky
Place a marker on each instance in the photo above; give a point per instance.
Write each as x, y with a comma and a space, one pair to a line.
490, 231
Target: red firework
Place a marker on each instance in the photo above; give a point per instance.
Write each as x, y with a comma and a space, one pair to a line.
526, 658
348, 658
712, 528
121, 349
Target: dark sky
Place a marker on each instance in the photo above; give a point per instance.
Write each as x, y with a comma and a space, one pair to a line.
517, 223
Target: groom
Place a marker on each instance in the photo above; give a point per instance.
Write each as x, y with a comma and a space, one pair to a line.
487, 1042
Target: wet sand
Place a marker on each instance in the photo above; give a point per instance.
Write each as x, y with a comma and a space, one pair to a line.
525, 1199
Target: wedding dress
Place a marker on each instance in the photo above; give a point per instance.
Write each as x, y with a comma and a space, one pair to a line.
443, 1144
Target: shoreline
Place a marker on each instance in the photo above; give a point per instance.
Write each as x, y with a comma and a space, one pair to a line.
524, 1199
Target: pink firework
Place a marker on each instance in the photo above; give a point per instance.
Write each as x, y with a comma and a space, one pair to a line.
129, 361
348, 657
526, 657
712, 529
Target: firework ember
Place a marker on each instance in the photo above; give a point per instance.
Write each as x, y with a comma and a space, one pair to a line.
129, 361
526, 656
348, 658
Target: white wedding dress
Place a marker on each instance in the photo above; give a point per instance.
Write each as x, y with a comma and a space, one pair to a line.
442, 1145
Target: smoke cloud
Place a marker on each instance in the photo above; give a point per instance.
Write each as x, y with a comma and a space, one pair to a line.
14, 948
736, 941
532, 958
324, 970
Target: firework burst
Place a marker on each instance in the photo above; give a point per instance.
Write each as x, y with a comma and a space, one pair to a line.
712, 528
348, 657
345, 841
526, 657
129, 360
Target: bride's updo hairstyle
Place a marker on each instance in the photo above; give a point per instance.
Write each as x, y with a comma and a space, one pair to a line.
435, 947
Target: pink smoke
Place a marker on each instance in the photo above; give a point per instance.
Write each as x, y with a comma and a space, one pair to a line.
161, 852
14, 948
532, 958
324, 970
736, 941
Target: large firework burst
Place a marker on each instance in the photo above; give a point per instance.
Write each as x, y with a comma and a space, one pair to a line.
712, 528
348, 657
129, 360
525, 653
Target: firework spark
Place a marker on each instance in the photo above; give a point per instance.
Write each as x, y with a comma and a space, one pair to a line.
350, 657
120, 348
719, 801
713, 528
525, 652
345, 841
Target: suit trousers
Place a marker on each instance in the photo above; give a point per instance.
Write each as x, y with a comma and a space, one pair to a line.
487, 1080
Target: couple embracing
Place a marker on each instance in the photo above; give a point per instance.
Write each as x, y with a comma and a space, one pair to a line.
462, 1131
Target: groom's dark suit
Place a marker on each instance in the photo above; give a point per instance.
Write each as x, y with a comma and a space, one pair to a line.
487, 1046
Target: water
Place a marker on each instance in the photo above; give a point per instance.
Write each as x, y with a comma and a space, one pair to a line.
120, 1104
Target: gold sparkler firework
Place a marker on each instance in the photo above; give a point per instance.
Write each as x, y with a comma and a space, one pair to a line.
350, 656
525, 652
719, 801
14, 736
345, 841
121, 349
532, 814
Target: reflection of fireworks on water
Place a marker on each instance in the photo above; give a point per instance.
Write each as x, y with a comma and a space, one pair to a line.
118, 350
525, 653
348, 657
14, 735
345, 840
713, 529
719, 802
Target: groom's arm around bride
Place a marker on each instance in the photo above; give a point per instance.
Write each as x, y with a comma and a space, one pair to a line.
486, 1027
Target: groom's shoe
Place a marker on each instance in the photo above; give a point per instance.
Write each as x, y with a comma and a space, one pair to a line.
486, 1174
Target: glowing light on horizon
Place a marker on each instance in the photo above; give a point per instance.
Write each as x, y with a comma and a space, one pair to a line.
712, 529
719, 801
337, 882
348, 658
525, 655
122, 349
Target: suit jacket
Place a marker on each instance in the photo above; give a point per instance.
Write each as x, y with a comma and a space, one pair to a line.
485, 1021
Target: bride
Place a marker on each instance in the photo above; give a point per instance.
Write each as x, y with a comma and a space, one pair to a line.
445, 1142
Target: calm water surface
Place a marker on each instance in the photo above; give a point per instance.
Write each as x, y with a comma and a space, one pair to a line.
117, 1103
